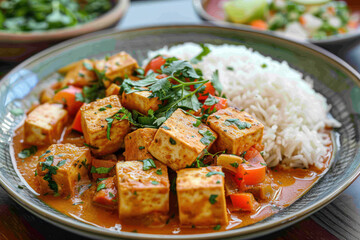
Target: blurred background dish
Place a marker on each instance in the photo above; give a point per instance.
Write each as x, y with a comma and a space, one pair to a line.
27, 27
322, 22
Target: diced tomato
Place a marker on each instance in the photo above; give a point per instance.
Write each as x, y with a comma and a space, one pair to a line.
353, 24
302, 20
254, 170
259, 24
107, 194
77, 122
67, 97
155, 64
244, 201
209, 89
222, 104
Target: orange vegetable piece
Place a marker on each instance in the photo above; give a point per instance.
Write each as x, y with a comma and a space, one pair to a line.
155, 64
302, 20
244, 201
222, 104
254, 170
107, 194
67, 97
77, 122
353, 24
259, 24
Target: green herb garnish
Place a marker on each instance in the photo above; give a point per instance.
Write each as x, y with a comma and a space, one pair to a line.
148, 163
27, 152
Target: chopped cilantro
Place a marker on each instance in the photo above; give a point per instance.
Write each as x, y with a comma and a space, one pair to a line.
165, 127
27, 152
209, 174
155, 182
230, 68
208, 137
199, 57
61, 163
148, 163
241, 125
102, 109
198, 122
217, 227
60, 89
141, 147
159, 171
90, 146
111, 195
212, 198
172, 141
235, 164
77, 203
264, 65
79, 177
100, 186
211, 100
109, 124
101, 170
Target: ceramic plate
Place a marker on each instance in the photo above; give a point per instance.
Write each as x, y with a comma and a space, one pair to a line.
338, 82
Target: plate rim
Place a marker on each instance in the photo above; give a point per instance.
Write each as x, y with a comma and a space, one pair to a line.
251, 230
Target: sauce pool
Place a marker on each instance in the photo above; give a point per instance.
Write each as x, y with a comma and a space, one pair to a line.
293, 183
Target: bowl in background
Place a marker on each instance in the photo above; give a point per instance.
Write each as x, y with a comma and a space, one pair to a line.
15, 47
216, 16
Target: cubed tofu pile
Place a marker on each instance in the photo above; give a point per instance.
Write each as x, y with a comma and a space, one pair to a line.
130, 165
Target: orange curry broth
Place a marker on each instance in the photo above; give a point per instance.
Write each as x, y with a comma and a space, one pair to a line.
293, 183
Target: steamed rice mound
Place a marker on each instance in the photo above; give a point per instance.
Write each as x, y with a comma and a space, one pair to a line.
293, 114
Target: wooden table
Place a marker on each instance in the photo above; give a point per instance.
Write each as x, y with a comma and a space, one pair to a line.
339, 220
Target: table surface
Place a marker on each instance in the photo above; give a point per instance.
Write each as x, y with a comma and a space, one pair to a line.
338, 220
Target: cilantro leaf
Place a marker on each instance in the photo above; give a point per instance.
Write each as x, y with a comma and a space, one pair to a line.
208, 137
101, 170
27, 152
109, 124
212, 198
100, 186
148, 163
198, 58
216, 82
241, 125
211, 100
209, 174
180, 66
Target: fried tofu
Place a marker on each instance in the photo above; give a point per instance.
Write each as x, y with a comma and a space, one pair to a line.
113, 89
201, 196
237, 130
95, 125
137, 144
62, 167
80, 74
178, 142
106, 194
140, 101
143, 194
117, 66
45, 124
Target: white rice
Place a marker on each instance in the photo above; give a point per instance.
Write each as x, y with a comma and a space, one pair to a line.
293, 114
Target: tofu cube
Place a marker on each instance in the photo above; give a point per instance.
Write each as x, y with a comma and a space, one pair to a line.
45, 124
201, 196
237, 130
79, 75
117, 66
137, 144
106, 194
178, 142
62, 167
113, 89
95, 125
140, 101
143, 194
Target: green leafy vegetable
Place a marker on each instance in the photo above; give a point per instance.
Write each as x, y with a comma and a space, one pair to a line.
155, 182
27, 152
212, 198
241, 125
209, 174
198, 58
90, 146
100, 186
148, 163
101, 170
235, 164
159, 171
208, 137
61, 163
172, 141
